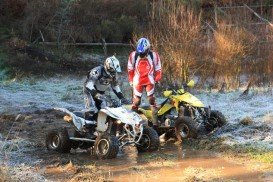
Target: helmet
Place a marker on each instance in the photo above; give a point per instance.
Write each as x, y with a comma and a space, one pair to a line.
143, 47
111, 66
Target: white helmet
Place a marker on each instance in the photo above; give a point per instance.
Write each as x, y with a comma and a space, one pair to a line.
111, 66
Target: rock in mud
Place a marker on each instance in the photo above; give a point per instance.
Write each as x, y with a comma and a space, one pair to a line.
20, 117
247, 121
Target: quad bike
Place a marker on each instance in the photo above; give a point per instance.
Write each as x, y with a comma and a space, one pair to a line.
183, 115
106, 133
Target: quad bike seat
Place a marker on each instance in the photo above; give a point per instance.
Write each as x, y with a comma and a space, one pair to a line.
85, 114
79, 113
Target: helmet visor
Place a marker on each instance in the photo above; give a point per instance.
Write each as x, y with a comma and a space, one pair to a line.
144, 54
111, 70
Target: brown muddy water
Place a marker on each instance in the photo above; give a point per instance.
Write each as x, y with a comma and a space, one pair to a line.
170, 163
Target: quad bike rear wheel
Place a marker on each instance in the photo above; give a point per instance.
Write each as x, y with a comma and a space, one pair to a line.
185, 127
149, 140
216, 120
106, 146
58, 140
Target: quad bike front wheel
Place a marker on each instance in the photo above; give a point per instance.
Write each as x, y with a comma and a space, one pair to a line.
216, 120
58, 140
185, 127
149, 140
106, 146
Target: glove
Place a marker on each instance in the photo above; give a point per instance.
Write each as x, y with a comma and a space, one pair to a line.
131, 84
125, 101
99, 96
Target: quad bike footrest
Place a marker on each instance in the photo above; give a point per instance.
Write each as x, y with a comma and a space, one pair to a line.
81, 139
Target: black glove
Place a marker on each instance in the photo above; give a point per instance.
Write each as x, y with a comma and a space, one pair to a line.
100, 97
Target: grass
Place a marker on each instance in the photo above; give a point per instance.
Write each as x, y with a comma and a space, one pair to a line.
260, 155
3, 69
4, 176
250, 151
50, 61
5, 34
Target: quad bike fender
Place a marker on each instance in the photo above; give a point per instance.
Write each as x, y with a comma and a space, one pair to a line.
77, 121
102, 124
189, 98
119, 113
147, 113
164, 109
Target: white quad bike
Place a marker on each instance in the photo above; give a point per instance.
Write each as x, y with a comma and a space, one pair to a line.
113, 128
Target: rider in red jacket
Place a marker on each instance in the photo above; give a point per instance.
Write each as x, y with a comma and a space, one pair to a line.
144, 70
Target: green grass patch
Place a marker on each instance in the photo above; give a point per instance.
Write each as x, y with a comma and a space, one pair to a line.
253, 151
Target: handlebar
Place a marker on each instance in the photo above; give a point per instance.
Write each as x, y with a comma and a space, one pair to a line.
111, 102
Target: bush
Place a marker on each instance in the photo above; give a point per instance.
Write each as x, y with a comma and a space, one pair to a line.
127, 25
175, 32
20, 64
110, 31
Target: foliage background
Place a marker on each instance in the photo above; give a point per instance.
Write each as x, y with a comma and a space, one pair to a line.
222, 43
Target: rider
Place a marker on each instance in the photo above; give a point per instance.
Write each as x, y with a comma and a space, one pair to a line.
144, 71
97, 82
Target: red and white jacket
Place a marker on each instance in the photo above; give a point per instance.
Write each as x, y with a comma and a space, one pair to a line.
144, 71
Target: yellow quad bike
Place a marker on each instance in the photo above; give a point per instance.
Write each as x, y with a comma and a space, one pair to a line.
183, 115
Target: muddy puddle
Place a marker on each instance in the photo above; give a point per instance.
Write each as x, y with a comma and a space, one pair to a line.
170, 163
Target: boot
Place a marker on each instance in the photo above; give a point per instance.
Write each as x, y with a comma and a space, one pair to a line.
135, 109
154, 116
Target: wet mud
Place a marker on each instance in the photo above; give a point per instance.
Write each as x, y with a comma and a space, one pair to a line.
172, 162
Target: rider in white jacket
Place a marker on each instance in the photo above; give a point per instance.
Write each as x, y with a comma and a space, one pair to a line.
98, 80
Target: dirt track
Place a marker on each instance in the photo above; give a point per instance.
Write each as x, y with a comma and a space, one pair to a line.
173, 162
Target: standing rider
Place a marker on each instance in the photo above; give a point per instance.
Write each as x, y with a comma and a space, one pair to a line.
97, 82
144, 70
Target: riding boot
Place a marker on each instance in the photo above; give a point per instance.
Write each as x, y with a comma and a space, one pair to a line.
154, 116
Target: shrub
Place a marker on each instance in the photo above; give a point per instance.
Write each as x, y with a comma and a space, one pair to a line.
110, 31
